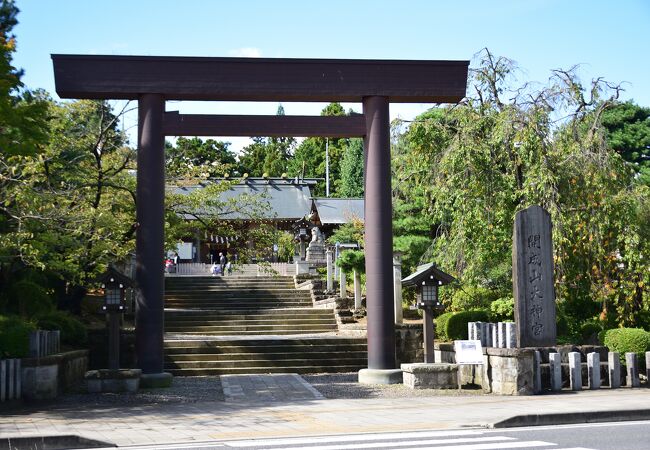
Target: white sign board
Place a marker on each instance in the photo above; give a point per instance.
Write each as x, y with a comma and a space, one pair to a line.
468, 352
184, 250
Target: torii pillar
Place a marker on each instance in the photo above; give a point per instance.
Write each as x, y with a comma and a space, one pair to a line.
379, 246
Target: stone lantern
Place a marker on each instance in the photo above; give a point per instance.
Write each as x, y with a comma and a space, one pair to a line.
302, 229
426, 280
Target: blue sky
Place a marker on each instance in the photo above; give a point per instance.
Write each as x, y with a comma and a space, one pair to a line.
608, 38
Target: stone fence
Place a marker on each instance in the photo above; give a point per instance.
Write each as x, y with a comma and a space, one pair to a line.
44, 342
527, 371
43, 377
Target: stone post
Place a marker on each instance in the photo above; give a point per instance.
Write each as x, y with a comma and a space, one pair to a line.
501, 335
343, 284
330, 278
575, 371
357, 290
593, 370
647, 367
3, 381
397, 286
537, 372
632, 366
471, 331
555, 366
494, 334
614, 370
511, 338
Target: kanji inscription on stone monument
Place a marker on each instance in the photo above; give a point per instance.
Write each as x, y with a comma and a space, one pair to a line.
532, 278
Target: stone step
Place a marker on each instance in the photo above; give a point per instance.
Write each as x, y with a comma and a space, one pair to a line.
262, 370
253, 314
237, 304
241, 364
264, 332
277, 346
238, 329
239, 296
175, 323
265, 343
358, 354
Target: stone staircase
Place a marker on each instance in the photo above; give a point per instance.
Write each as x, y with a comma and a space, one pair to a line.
225, 325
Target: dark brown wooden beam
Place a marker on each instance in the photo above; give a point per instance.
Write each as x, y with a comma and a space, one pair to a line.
176, 124
259, 79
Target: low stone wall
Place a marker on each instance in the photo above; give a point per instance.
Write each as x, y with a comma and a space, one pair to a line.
44, 378
409, 340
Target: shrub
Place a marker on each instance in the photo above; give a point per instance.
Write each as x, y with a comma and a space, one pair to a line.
469, 298
588, 330
73, 331
623, 340
351, 260
502, 310
457, 323
441, 326
27, 299
14, 336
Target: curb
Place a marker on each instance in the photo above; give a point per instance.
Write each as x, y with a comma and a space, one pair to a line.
531, 420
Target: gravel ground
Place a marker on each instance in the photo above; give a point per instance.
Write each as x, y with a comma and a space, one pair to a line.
183, 390
345, 385
202, 389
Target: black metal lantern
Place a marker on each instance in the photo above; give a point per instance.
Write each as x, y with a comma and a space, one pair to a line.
115, 285
426, 280
302, 229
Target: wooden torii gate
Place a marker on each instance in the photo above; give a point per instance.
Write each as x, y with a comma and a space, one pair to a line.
152, 80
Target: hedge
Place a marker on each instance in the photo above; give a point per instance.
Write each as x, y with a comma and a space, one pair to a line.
457, 323
73, 331
441, 326
14, 337
624, 340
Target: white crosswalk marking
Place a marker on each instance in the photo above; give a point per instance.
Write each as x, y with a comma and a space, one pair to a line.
353, 437
419, 440
399, 445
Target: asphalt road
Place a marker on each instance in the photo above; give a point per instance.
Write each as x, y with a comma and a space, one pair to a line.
600, 436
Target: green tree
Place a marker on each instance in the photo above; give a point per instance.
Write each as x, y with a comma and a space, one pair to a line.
309, 157
628, 133
23, 127
197, 158
72, 206
487, 158
268, 155
352, 169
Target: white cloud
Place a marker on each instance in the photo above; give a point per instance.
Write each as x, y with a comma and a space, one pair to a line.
246, 52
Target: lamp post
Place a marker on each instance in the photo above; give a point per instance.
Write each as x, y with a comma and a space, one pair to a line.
114, 284
426, 280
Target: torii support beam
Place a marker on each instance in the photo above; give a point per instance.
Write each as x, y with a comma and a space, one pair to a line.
152, 80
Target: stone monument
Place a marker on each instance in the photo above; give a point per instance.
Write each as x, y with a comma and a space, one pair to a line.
316, 249
532, 278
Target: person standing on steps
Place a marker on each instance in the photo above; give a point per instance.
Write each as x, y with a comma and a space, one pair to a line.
222, 262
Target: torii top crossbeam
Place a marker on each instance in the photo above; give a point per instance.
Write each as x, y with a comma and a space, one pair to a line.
259, 79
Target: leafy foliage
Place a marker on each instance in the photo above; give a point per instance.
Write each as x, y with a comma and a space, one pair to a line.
352, 261
73, 331
624, 340
478, 163
352, 170
502, 310
457, 323
14, 336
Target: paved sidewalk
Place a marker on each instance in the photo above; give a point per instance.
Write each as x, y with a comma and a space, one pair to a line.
249, 418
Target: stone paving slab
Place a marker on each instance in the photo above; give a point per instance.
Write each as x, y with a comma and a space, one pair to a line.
267, 388
248, 417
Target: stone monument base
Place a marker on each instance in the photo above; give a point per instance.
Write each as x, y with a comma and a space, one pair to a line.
106, 380
380, 376
156, 380
430, 376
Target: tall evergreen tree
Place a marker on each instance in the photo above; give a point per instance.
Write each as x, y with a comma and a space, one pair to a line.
352, 169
